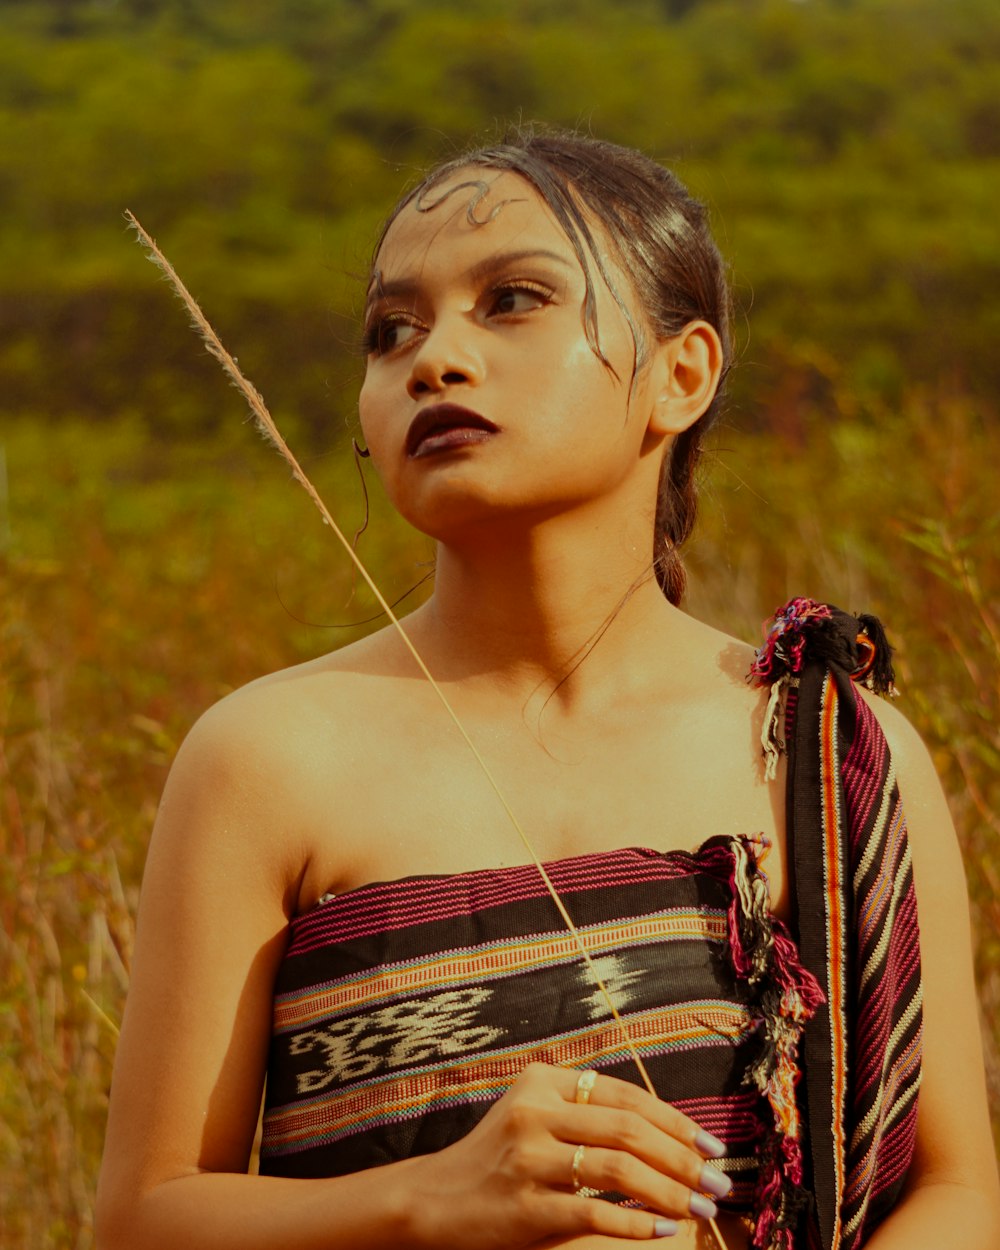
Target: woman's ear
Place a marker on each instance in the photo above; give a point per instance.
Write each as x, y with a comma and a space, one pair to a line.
686, 375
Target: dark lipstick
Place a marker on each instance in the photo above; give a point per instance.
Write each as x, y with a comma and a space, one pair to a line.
444, 427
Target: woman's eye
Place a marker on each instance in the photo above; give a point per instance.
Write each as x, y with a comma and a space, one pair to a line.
387, 334
518, 299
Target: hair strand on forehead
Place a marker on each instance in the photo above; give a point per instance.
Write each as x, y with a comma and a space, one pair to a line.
482, 189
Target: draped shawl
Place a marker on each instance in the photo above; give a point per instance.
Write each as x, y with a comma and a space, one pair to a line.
854, 916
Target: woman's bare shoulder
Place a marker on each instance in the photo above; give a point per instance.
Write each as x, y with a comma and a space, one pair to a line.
714, 660
269, 719
720, 666
270, 761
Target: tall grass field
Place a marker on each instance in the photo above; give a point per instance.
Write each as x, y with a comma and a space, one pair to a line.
141, 579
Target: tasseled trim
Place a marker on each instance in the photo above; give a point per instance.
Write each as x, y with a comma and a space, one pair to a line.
781, 653
856, 644
772, 733
877, 673
788, 995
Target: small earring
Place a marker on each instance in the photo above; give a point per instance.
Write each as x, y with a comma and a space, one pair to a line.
361, 452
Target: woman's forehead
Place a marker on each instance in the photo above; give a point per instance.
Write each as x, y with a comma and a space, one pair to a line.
476, 207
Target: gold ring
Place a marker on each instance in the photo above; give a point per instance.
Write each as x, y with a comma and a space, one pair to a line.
585, 1085
578, 1154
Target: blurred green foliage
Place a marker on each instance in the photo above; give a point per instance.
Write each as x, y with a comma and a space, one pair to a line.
850, 152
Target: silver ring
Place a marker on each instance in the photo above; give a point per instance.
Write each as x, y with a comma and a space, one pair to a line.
585, 1086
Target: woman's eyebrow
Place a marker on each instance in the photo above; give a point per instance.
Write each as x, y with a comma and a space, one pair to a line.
406, 287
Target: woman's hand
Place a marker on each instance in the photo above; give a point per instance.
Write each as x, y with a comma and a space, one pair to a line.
516, 1178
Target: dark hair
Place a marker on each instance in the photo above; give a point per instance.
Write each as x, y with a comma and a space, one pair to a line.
663, 241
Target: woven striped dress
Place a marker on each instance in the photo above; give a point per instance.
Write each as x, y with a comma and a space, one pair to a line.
404, 1009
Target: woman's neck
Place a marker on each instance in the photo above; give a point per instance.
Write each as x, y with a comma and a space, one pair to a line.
520, 612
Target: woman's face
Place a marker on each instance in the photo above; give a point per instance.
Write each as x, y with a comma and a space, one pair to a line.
483, 396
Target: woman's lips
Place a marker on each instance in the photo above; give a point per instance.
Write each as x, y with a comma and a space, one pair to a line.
444, 427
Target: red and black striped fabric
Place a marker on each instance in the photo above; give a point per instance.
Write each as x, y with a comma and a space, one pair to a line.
404, 1009
855, 919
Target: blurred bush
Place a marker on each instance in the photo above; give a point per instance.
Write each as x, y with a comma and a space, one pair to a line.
850, 152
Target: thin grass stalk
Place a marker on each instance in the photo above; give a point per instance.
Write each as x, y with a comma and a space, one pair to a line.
267, 427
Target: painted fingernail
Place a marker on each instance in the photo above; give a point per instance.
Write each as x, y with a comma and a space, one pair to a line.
664, 1228
708, 1145
703, 1207
714, 1182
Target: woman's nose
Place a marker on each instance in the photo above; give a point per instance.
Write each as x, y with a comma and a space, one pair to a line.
446, 357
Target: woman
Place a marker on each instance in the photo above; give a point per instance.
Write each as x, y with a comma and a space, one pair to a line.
335, 891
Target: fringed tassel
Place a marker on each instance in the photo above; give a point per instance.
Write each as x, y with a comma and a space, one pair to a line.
750, 936
772, 734
879, 675
806, 630
781, 653
765, 956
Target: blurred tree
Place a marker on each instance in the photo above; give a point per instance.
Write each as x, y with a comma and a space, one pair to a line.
850, 154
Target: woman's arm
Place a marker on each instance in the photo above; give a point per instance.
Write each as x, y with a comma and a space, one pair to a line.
952, 1190
220, 882
227, 857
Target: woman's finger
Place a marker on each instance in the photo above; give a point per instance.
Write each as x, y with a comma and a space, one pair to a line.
570, 1216
590, 1171
593, 1088
629, 1133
